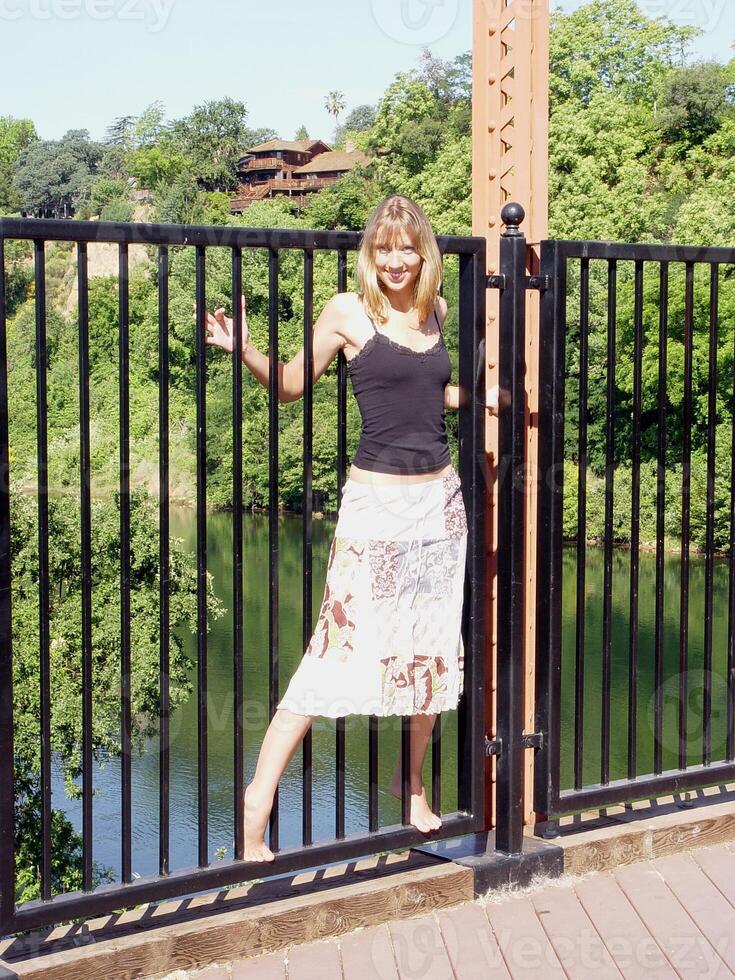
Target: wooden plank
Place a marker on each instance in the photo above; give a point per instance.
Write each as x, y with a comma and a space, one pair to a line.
268, 967
314, 960
253, 894
718, 863
525, 946
703, 901
682, 942
368, 955
253, 931
471, 944
641, 833
419, 949
572, 933
635, 951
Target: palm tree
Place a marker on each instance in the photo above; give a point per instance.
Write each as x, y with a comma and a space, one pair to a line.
335, 103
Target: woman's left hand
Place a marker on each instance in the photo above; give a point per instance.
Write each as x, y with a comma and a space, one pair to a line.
496, 398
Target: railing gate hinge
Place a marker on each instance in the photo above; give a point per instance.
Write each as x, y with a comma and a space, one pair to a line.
493, 746
533, 740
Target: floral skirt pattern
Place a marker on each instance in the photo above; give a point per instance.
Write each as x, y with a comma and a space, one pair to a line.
388, 638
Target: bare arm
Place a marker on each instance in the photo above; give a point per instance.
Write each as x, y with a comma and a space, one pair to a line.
327, 340
451, 392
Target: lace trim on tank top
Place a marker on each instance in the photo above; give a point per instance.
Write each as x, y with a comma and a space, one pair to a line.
401, 348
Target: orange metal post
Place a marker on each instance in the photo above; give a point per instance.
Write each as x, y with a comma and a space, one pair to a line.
510, 84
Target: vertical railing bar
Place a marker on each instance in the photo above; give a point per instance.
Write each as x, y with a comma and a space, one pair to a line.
307, 530
472, 428
607, 561
273, 591
549, 547
436, 766
685, 517
238, 755
710, 520
436, 732
126, 833
730, 737
465, 735
201, 465
7, 797
584, 295
43, 566
405, 768
474, 476
661, 398
373, 823
163, 566
510, 544
635, 523
86, 563
339, 725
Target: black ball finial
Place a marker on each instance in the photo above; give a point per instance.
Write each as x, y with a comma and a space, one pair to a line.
512, 215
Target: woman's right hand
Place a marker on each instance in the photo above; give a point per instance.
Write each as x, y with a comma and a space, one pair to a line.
220, 330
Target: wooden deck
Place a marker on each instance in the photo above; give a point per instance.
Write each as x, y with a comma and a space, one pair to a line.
670, 917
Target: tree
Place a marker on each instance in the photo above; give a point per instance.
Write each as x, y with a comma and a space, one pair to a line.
179, 202
52, 176
302, 133
150, 126
346, 204
121, 131
407, 132
15, 136
154, 165
599, 182
692, 102
212, 139
449, 81
360, 120
334, 104
611, 45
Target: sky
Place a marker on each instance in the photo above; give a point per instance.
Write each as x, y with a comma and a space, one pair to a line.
79, 64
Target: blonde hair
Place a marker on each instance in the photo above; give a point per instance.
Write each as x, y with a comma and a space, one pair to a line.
393, 215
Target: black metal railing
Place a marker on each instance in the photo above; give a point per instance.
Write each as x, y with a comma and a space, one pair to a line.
618, 387
133, 890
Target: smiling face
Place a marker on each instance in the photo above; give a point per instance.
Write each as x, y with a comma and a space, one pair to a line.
397, 262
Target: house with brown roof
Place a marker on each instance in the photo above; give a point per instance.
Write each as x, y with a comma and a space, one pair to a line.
293, 168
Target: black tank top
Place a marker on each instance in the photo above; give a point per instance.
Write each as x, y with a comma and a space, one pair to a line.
400, 394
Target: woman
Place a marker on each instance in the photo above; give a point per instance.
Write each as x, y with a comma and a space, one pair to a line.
388, 637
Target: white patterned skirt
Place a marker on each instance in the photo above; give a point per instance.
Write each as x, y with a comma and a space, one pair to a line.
388, 639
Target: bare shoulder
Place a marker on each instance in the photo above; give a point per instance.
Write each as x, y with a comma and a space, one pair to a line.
350, 320
343, 304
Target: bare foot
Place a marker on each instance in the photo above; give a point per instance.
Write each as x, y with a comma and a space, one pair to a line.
420, 814
257, 811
